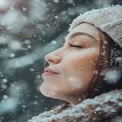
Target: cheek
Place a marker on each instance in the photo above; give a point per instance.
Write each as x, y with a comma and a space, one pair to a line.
75, 83
83, 67
83, 63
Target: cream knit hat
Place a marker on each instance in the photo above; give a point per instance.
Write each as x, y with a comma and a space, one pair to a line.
107, 19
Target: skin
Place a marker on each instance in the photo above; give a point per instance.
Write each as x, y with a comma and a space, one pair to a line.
76, 65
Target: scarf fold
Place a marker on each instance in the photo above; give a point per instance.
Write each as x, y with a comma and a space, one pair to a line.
102, 107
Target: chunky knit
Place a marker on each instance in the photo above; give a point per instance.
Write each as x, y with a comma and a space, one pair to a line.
107, 19
103, 108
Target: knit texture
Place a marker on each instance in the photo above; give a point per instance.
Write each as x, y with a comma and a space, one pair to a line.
98, 109
107, 19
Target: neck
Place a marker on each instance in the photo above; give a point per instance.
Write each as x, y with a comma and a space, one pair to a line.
76, 99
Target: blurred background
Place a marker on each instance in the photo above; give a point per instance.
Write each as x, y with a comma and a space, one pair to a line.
29, 29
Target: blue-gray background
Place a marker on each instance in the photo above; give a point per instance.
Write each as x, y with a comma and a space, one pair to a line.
28, 30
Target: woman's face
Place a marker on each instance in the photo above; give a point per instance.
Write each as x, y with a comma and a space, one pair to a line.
72, 66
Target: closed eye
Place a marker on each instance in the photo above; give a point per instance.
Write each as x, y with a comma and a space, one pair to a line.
77, 46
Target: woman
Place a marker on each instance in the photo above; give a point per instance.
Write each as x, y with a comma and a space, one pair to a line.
86, 71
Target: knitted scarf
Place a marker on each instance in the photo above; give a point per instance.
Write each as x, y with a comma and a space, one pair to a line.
100, 108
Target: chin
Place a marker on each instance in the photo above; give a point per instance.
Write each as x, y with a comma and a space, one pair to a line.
46, 92
42, 90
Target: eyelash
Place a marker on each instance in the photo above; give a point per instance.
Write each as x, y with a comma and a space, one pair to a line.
76, 46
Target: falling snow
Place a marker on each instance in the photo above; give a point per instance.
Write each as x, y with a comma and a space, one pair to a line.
99, 106
29, 29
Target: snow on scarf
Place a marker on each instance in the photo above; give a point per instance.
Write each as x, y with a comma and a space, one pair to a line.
90, 110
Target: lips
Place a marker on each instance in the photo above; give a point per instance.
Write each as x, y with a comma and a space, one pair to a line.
49, 71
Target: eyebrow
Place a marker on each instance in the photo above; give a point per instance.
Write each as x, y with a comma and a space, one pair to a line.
81, 33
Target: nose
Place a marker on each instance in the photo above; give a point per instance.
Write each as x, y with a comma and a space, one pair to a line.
52, 58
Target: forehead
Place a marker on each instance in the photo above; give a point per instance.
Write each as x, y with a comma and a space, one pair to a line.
86, 28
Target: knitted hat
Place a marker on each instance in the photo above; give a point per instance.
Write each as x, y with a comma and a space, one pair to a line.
107, 19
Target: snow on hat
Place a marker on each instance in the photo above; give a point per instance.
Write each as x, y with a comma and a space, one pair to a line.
108, 19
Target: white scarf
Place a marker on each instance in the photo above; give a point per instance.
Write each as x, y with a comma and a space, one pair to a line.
90, 110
